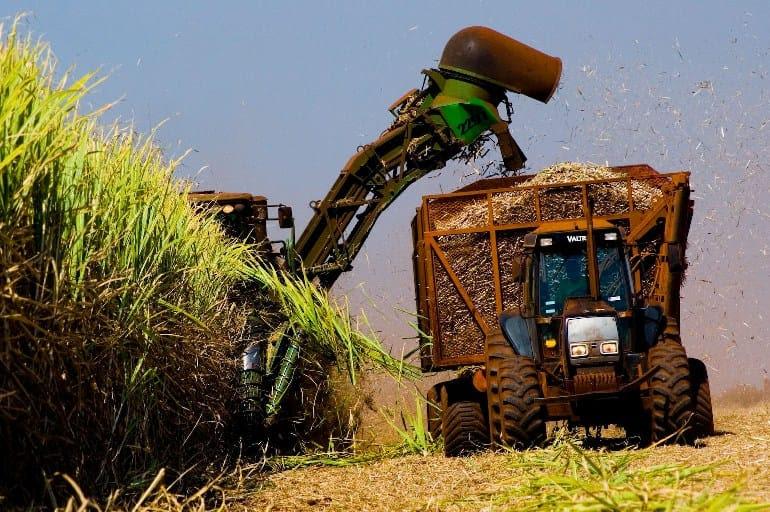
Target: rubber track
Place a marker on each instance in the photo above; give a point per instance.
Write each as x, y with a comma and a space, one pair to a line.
702, 422
515, 420
670, 390
464, 428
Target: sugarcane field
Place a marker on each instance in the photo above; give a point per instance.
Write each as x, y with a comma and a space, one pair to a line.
384, 257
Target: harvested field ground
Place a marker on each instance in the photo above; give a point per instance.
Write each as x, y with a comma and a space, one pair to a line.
740, 451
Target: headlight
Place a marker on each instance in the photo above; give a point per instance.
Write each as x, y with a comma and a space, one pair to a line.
608, 347
578, 349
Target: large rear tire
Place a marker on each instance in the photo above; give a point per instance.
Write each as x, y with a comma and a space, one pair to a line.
702, 421
670, 390
515, 418
464, 428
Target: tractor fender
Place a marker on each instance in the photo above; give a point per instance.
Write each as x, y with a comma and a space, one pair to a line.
520, 332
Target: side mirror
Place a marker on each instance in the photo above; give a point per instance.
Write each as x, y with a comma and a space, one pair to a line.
654, 323
530, 240
285, 217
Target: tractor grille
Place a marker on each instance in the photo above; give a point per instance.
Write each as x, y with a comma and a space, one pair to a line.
603, 379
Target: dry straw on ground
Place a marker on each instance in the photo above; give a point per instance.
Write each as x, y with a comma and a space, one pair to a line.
728, 469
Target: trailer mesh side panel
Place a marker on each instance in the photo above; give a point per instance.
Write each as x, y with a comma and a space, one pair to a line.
471, 259
459, 334
561, 203
609, 198
509, 248
513, 208
458, 212
649, 249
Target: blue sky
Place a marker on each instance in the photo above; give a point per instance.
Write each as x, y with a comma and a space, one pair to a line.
272, 97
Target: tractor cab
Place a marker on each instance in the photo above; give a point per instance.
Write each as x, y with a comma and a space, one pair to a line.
560, 270
577, 316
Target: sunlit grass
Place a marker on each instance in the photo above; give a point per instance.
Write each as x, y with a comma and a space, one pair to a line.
326, 327
413, 431
565, 476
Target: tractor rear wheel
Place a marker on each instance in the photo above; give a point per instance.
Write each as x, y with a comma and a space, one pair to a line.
702, 421
515, 418
670, 390
465, 429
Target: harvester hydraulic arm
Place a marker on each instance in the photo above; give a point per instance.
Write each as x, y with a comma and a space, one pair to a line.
456, 106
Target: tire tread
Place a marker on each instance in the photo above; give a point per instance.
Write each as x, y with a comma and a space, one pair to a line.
670, 389
464, 428
516, 420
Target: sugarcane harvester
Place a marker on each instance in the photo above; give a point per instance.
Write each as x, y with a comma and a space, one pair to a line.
456, 107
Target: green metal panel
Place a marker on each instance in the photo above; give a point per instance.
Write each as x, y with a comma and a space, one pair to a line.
468, 120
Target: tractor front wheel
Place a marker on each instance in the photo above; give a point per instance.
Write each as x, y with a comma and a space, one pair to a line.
516, 419
670, 390
702, 420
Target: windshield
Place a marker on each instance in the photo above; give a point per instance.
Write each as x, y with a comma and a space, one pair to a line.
563, 272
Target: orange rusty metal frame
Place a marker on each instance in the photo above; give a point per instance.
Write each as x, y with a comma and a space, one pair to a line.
426, 247
495, 258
